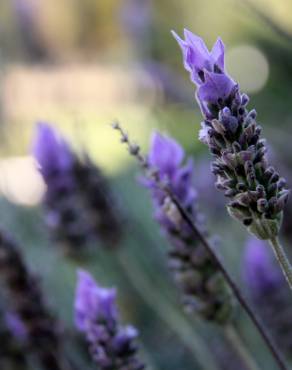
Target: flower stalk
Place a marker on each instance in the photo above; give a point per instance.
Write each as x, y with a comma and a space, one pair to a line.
282, 259
135, 151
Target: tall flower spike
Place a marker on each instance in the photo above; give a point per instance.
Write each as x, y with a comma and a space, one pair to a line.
268, 291
78, 202
203, 286
112, 345
257, 192
27, 304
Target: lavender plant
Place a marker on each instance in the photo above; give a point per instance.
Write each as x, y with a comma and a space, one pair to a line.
257, 192
177, 212
78, 202
196, 273
268, 291
27, 304
112, 345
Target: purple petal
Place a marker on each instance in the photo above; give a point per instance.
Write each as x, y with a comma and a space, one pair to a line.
217, 86
217, 53
93, 301
51, 151
165, 154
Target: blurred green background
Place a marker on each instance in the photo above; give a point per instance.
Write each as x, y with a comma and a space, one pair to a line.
83, 64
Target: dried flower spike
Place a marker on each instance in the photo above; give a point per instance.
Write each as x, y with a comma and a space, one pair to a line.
96, 315
257, 192
27, 304
79, 205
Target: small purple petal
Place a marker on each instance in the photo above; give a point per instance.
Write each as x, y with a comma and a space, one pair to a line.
51, 151
217, 86
165, 154
217, 53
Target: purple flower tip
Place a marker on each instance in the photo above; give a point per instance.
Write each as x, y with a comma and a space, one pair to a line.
206, 68
93, 302
165, 154
198, 59
51, 151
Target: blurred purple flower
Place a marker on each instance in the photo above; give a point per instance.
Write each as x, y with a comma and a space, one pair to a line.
80, 207
51, 151
259, 270
268, 291
112, 345
93, 302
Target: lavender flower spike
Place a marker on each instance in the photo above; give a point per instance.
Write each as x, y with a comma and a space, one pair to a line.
34, 322
79, 206
268, 291
257, 192
112, 345
197, 275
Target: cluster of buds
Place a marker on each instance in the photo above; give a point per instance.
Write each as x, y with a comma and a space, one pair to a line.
268, 291
112, 345
79, 205
196, 273
257, 192
26, 301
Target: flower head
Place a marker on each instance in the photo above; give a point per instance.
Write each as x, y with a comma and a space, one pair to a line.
206, 69
79, 205
51, 151
198, 59
112, 345
93, 302
257, 193
167, 156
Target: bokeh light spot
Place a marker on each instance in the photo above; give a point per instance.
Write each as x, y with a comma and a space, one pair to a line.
20, 181
249, 67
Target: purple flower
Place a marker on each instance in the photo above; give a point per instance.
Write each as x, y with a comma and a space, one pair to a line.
51, 151
257, 192
193, 269
112, 345
79, 205
167, 156
206, 68
197, 58
259, 270
93, 302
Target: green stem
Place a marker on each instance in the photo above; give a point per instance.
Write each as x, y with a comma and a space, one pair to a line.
282, 259
167, 313
240, 348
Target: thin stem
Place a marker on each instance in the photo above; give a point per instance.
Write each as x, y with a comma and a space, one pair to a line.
282, 259
240, 347
134, 150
